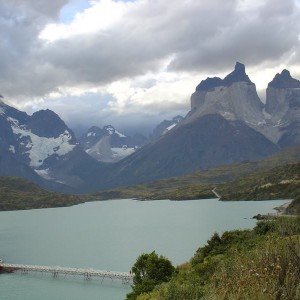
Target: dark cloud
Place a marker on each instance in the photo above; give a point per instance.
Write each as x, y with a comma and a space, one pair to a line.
201, 36
251, 37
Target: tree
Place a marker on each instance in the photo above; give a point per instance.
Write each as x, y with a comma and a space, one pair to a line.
149, 270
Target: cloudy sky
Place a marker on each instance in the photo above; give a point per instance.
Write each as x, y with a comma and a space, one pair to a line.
133, 63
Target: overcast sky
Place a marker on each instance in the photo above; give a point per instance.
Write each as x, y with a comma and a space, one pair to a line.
134, 63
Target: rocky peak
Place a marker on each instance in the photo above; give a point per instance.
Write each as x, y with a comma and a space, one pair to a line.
284, 80
209, 84
110, 129
94, 131
46, 123
237, 75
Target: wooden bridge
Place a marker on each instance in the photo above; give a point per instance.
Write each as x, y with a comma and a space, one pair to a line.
87, 274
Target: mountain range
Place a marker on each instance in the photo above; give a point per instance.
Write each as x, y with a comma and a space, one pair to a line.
227, 123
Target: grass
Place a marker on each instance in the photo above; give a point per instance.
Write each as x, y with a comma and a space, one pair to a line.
17, 193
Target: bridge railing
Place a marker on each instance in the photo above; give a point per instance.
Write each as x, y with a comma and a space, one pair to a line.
56, 270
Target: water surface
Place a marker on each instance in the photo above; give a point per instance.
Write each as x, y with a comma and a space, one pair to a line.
109, 235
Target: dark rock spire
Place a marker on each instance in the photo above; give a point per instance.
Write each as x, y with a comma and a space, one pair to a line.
284, 80
237, 75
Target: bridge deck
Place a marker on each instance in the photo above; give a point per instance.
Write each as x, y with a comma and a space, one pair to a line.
56, 271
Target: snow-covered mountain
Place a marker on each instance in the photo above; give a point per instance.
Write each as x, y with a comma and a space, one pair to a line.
43, 143
109, 145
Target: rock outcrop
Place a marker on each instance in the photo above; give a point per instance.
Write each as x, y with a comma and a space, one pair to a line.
234, 98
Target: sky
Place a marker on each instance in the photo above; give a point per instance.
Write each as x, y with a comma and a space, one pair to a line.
134, 63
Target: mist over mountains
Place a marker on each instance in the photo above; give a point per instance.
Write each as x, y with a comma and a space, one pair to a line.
227, 123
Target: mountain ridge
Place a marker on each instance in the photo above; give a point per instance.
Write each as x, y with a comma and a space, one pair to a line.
227, 124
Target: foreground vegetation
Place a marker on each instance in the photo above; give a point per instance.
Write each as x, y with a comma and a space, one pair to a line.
17, 193
263, 263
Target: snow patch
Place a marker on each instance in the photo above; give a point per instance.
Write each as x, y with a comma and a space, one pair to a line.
12, 149
91, 134
44, 173
119, 134
13, 121
170, 127
110, 130
39, 148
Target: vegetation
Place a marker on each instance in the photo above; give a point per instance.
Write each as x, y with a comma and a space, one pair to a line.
272, 178
263, 263
294, 207
149, 271
245, 175
17, 193
281, 182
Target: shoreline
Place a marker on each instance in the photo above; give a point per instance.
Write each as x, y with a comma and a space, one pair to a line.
281, 211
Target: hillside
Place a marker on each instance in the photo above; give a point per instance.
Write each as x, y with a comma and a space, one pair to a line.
272, 178
199, 184
262, 263
17, 194
279, 182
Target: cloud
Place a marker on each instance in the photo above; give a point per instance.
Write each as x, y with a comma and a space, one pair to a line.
145, 56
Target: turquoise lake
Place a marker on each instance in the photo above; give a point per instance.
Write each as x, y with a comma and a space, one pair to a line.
109, 235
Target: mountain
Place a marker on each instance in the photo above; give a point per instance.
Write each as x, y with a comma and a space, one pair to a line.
283, 105
164, 127
227, 123
224, 126
235, 98
204, 143
109, 145
43, 149
199, 184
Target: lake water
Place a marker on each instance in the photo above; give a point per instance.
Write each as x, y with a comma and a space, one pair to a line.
109, 235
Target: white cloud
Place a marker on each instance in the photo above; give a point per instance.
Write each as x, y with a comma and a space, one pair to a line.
140, 57
97, 18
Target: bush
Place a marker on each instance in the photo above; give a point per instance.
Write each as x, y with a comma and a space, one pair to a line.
149, 271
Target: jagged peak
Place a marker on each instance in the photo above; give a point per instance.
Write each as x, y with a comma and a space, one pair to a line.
109, 128
209, 83
284, 80
237, 75
94, 129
